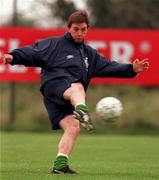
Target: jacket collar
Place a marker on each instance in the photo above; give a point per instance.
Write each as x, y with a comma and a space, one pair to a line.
70, 38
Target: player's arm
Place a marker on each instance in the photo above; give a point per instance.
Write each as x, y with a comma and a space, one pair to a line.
107, 68
34, 55
23, 56
27, 56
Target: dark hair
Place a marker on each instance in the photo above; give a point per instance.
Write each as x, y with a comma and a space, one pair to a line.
78, 17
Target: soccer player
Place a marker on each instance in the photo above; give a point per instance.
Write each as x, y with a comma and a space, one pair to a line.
68, 65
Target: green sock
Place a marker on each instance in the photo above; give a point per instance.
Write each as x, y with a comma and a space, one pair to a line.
82, 107
60, 162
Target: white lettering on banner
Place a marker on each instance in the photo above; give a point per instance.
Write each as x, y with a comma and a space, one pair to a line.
97, 45
37, 70
2, 66
17, 69
121, 51
2, 43
13, 44
145, 47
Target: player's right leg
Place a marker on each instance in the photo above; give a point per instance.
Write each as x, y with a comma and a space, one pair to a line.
59, 111
71, 129
76, 94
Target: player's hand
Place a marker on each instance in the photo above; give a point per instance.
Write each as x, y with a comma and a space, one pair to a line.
7, 58
140, 65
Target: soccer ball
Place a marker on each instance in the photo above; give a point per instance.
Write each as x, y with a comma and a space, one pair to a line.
109, 109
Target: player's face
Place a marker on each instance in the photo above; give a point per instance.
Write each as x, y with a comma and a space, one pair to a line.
78, 31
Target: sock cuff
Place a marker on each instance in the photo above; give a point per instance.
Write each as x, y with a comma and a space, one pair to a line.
62, 154
82, 107
80, 104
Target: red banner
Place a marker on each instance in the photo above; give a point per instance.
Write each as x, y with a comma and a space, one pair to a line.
121, 45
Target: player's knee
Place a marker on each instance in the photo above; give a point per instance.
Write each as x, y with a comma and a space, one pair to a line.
77, 86
74, 127
74, 130
70, 125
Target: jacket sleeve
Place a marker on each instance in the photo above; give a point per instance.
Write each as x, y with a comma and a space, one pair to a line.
106, 68
31, 55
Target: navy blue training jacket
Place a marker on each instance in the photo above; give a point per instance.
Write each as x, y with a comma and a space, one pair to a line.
63, 58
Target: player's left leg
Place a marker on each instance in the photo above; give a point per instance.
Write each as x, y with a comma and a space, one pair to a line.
76, 95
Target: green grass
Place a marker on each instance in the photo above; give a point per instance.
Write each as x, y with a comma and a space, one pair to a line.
30, 155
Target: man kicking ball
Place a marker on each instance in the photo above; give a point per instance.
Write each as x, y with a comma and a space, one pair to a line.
68, 65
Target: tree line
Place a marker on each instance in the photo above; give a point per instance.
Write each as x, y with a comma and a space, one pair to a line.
103, 13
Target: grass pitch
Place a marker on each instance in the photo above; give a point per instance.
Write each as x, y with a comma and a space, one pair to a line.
108, 157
